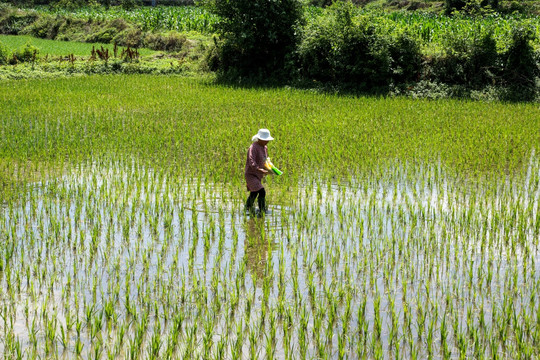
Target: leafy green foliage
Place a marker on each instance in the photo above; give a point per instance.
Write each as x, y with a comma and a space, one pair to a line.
26, 53
321, 3
258, 35
521, 66
12, 20
468, 61
341, 46
406, 59
470, 6
316, 50
168, 42
349, 50
362, 56
4, 54
95, 30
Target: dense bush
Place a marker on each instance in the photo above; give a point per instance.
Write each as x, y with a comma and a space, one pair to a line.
351, 51
12, 21
168, 42
131, 36
316, 50
45, 27
521, 67
406, 59
471, 62
258, 35
26, 53
362, 57
102, 36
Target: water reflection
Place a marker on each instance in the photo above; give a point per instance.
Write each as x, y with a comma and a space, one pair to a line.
256, 247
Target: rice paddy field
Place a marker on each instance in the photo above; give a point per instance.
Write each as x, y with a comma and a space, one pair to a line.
400, 228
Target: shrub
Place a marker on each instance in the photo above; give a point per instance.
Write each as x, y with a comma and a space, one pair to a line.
338, 49
470, 6
406, 59
4, 54
131, 37
521, 66
45, 27
73, 29
516, 6
473, 62
363, 57
258, 35
320, 3
72, 4
129, 4
211, 60
103, 36
316, 50
168, 42
453, 5
107, 31
26, 53
12, 21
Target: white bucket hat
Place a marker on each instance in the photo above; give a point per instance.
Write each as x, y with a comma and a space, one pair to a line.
263, 134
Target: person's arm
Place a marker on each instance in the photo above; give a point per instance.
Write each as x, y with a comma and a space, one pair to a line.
252, 161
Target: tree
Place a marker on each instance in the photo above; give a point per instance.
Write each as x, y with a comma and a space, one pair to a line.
257, 36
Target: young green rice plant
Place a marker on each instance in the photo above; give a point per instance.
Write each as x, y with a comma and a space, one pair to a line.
127, 247
155, 344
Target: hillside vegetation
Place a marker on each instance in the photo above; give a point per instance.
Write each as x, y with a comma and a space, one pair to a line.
371, 48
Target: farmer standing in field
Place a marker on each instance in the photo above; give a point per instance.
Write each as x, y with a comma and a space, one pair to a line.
255, 170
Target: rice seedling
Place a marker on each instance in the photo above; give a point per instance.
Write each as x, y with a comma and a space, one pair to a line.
132, 242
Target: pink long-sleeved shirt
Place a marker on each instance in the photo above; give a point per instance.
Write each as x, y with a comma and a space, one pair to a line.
256, 157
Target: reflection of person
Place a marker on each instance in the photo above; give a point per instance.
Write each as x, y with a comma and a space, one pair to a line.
255, 171
256, 248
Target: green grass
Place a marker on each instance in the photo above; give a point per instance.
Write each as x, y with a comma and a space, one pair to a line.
55, 47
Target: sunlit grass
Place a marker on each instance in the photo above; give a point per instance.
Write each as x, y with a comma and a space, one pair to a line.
56, 47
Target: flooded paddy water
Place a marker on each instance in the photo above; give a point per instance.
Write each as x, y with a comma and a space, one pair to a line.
119, 260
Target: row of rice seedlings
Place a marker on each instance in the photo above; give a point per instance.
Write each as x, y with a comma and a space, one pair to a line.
161, 121
117, 259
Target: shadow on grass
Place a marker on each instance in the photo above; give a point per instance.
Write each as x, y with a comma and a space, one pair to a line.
269, 83
514, 95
